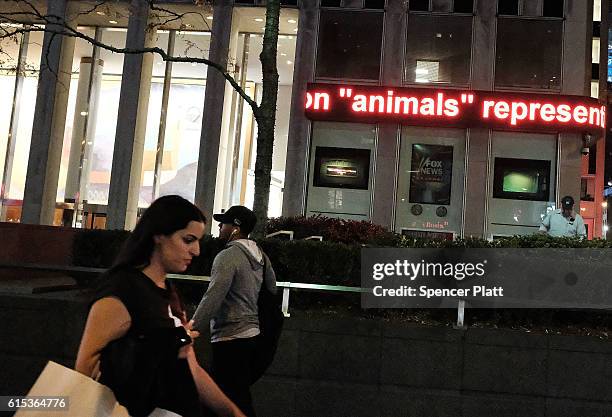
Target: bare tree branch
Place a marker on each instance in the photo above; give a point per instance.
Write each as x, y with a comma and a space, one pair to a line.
65, 29
174, 15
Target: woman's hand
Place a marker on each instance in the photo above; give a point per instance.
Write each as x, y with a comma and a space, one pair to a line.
209, 392
189, 329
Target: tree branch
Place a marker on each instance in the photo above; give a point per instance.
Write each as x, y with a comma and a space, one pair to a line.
67, 30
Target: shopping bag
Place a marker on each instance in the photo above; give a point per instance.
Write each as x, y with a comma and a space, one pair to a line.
85, 396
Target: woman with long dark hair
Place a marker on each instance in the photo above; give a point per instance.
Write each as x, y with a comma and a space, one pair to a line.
136, 339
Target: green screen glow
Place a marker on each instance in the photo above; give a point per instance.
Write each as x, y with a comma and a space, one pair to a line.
520, 182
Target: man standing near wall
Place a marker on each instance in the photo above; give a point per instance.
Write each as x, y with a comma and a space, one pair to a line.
564, 222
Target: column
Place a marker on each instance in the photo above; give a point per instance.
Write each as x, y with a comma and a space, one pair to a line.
208, 159
296, 166
131, 123
13, 128
577, 41
478, 140
84, 128
49, 120
383, 207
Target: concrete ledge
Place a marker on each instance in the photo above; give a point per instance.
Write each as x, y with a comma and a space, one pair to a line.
421, 363
502, 369
341, 367
580, 375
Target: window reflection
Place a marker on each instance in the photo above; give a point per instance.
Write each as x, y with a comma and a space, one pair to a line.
349, 44
438, 49
528, 53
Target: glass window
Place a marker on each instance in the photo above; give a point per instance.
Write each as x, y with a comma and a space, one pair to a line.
463, 6
184, 116
8, 65
245, 136
597, 11
441, 6
438, 49
374, 4
330, 3
349, 44
595, 51
153, 121
106, 117
418, 5
553, 8
508, 7
75, 117
595, 89
25, 118
528, 53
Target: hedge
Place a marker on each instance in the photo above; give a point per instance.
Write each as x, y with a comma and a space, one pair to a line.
336, 263
307, 261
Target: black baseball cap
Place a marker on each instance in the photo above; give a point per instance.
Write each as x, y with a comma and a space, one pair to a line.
567, 202
240, 216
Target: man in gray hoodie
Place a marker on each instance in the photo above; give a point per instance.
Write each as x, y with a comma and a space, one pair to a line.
230, 305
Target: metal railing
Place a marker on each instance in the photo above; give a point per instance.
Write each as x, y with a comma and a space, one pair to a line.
285, 285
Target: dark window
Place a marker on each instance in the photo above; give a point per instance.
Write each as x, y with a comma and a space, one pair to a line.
330, 3
349, 44
441, 6
374, 4
289, 2
596, 29
464, 6
528, 53
507, 7
593, 160
245, 1
553, 8
438, 49
418, 5
594, 71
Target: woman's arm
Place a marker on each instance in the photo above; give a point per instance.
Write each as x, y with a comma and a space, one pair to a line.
209, 392
108, 320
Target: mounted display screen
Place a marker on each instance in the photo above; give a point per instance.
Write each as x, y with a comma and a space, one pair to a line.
341, 168
454, 108
431, 174
521, 179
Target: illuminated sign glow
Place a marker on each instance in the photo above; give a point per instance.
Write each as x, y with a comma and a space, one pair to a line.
454, 108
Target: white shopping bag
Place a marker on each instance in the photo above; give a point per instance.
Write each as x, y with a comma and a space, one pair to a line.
86, 397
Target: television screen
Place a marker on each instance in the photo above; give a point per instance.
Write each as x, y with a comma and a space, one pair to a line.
341, 168
520, 182
521, 179
431, 174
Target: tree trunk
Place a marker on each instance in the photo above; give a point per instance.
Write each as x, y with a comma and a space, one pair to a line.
265, 116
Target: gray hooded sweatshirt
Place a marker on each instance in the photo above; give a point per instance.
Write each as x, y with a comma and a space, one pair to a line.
230, 303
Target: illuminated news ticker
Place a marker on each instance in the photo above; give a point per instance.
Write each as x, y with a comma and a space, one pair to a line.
454, 108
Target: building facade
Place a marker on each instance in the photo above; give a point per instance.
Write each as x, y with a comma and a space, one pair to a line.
128, 128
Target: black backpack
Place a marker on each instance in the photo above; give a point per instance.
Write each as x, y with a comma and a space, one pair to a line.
271, 320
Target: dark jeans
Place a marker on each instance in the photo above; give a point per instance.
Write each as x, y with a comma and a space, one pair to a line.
232, 368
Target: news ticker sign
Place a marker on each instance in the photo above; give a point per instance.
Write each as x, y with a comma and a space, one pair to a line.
454, 108
486, 278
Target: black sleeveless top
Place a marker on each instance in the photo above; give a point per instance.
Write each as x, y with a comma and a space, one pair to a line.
142, 367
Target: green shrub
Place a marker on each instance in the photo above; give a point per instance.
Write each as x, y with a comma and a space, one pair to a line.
334, 230
339, 264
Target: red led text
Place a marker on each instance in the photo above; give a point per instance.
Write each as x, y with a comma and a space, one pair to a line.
419, 106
